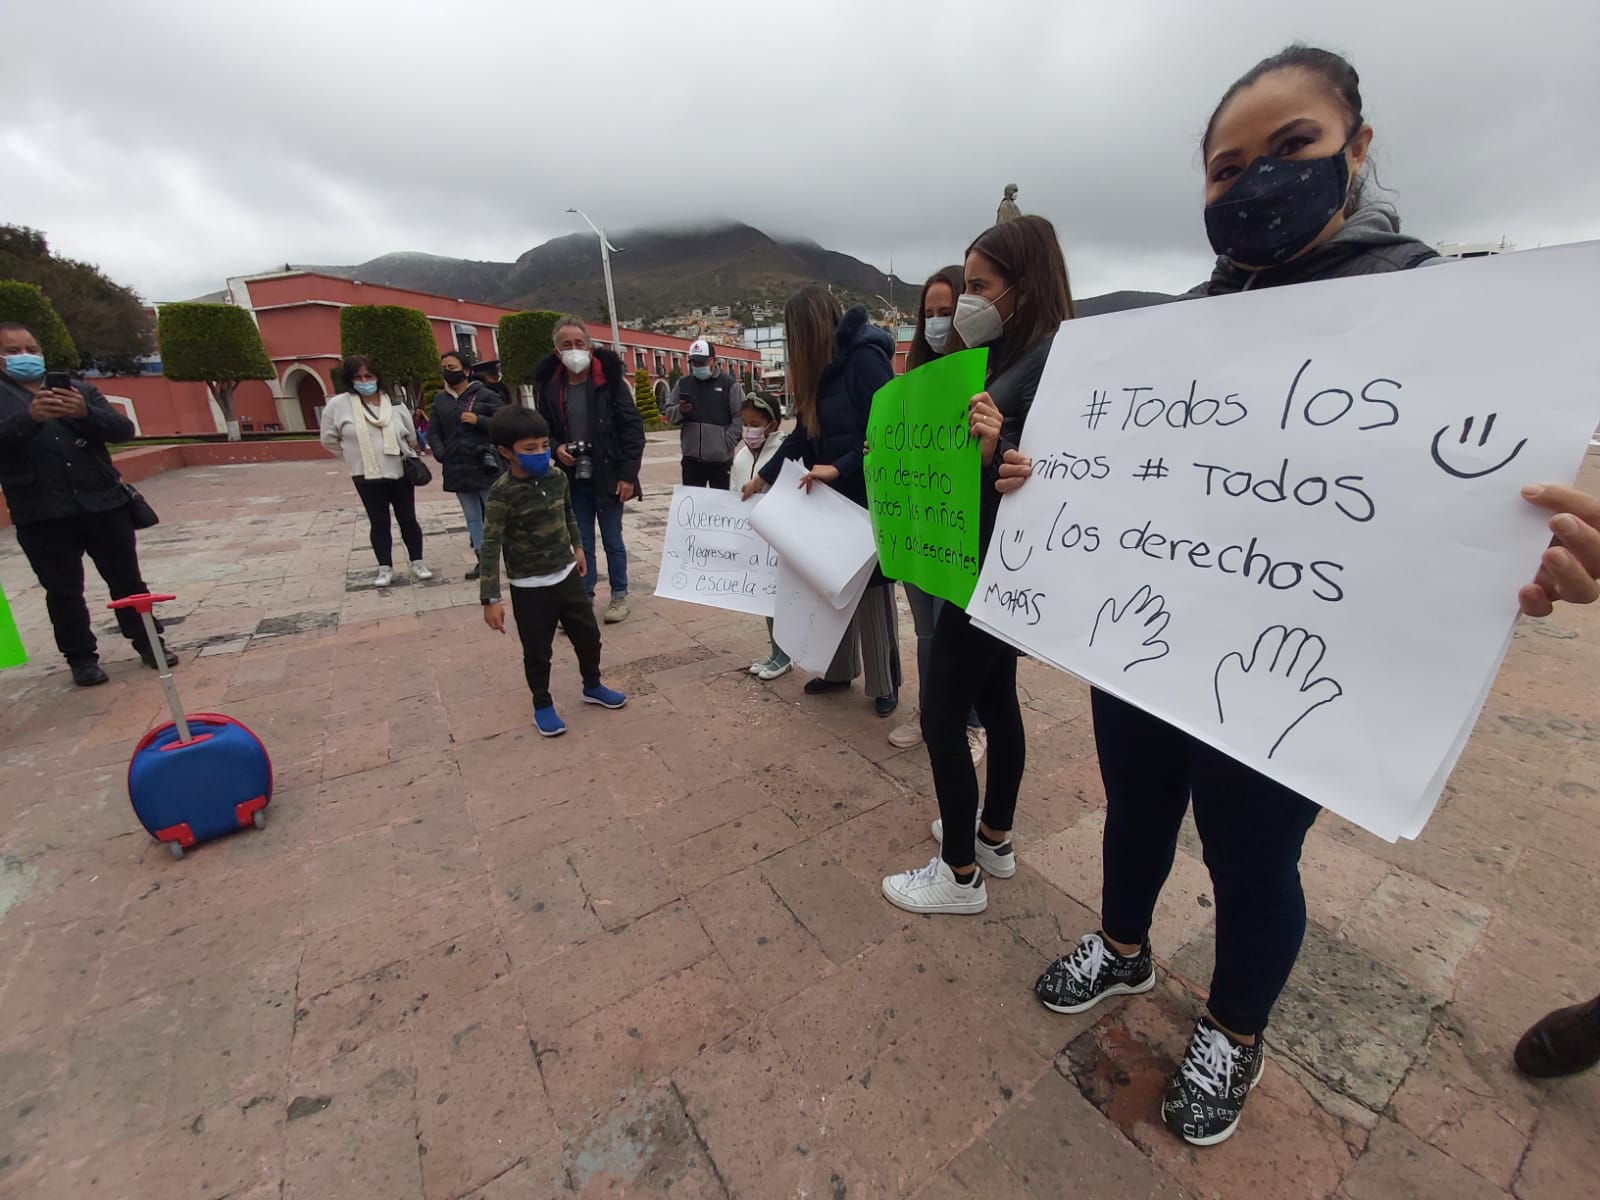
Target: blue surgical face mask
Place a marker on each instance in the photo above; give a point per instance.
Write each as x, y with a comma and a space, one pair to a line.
535, 464
701, 372
367, 387
26, 367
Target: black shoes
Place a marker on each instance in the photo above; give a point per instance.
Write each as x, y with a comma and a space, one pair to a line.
1076, 982
1207, 1095
148, 658
1561, 1043
884, 705
817, 686
88, 674
472, 574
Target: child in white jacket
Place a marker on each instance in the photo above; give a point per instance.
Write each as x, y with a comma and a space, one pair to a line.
759, 445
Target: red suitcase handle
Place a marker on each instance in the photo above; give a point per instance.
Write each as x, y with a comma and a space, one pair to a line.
144, 602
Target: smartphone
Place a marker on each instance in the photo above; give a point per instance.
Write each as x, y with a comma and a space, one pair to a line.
58, 379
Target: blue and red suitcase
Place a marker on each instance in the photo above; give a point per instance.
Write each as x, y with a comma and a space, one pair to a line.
199, 776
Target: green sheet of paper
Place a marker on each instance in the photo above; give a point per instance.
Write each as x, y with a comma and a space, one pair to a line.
922, 476
11, 652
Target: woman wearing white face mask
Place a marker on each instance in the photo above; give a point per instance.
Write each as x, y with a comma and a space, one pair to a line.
375, 437
1015, 299
930, 341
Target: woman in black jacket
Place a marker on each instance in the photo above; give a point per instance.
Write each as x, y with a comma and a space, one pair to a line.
460, 441
837, 360
1015, 299
1270, 227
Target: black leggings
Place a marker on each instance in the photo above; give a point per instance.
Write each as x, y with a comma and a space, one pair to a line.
379, 496
967, 670
1251, 831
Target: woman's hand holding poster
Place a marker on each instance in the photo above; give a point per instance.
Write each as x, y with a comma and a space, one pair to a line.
1289, 521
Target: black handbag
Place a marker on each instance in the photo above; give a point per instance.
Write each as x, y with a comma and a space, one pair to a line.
417, 473
139, 510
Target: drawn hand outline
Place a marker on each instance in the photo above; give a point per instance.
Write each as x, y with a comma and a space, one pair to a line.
1144, 600
1483, 440
1284, 684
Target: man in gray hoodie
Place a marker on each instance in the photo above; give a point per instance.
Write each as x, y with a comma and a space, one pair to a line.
705, 403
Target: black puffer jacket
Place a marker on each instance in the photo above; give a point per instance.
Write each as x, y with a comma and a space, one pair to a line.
863, 361
616, 428
469, 458
59, 468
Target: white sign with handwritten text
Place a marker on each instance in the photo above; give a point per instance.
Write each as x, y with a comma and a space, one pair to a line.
713, 555
1289, 521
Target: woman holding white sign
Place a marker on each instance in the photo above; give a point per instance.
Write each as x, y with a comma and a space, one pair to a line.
837, 360
1016, 297
1285, 154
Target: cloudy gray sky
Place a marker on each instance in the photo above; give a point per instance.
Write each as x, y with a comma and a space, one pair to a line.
175, 142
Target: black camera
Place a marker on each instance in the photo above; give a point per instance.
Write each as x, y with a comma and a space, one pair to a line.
582, 460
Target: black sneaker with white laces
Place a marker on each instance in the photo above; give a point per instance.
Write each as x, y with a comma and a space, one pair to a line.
1207, 1094
1093, 971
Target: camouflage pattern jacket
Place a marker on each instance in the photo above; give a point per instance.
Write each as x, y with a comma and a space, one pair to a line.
530, 521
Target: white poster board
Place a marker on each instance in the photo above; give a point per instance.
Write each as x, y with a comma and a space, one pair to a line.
713, 555
1289, 522
826, 554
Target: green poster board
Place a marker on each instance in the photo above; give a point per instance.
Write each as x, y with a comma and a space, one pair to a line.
11, 652
922, 476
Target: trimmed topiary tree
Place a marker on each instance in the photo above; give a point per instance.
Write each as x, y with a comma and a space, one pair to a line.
214, 344
26, 304
398, 340
645, 397
525, 338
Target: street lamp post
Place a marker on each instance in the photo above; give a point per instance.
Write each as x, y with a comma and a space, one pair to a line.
605, 265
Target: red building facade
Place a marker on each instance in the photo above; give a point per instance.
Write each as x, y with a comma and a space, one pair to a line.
298, 315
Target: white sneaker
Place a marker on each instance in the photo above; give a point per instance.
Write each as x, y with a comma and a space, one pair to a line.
385, 576
419, 570
933, 889
907, 735
1001, 861
978, 743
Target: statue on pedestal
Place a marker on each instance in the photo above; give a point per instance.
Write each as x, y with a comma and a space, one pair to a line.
1008, 210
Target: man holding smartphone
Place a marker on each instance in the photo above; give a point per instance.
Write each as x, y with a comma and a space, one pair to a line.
66, 499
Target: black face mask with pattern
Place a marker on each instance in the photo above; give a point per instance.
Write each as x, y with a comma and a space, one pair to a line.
1276, 207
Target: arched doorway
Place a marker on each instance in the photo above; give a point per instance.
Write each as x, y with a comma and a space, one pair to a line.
662, 390
306, 388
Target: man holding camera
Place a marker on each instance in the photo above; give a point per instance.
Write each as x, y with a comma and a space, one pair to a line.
706, 404
597, 435
66, 499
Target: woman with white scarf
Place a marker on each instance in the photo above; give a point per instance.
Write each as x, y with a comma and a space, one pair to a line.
375, 438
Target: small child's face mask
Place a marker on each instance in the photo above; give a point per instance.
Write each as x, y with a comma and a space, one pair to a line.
534, 464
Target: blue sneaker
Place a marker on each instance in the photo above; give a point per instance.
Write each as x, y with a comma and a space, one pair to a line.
547, 722
603, 696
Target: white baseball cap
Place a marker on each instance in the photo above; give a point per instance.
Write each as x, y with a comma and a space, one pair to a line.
700, 348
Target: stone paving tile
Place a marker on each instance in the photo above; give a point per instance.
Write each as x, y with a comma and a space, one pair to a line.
794, 1150
772, 955
481, 1104
591, 1064
1398, 1164
652, 958
1465, 1098
646, 1146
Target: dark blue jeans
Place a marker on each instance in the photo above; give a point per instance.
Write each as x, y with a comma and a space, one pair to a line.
609, 514
1251, 831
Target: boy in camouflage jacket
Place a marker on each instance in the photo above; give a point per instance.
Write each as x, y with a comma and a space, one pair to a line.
528, 519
